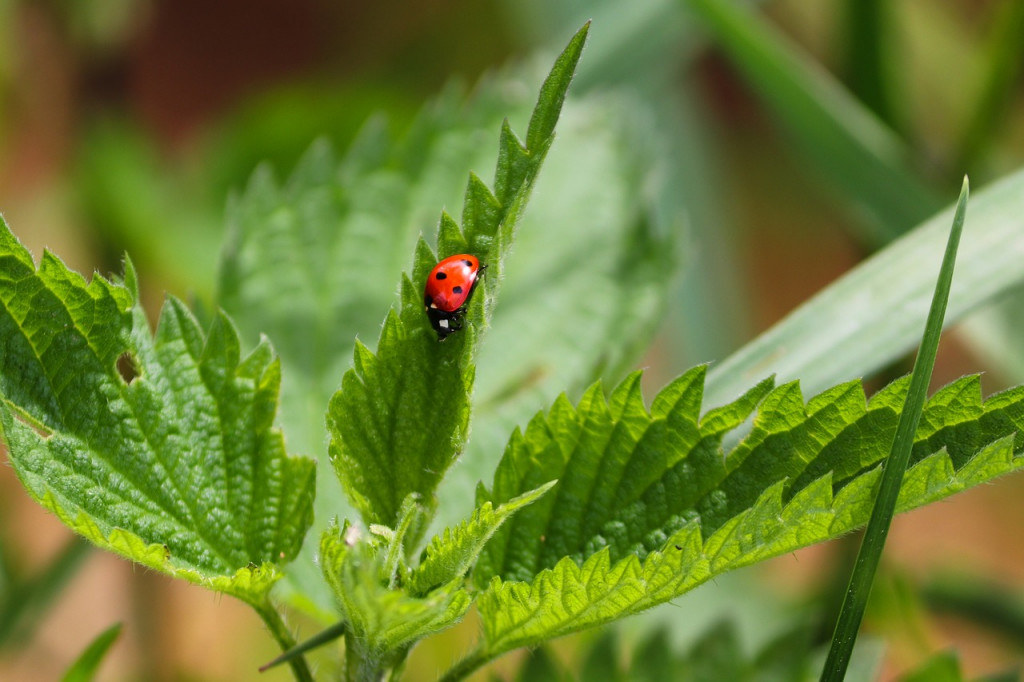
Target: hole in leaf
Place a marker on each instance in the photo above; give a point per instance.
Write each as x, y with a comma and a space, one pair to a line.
127, 367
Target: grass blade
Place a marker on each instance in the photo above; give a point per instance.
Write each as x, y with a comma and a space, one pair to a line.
1002, 72
873, 314
885, 504
24, 602
858, 152
84, 669
865, 25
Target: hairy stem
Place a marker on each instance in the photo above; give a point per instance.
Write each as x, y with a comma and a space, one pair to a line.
275, 623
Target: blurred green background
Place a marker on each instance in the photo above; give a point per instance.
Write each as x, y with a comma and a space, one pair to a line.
126, 124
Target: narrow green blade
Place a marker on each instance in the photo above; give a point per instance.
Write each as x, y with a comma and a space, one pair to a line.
23, 603
84, 669
873, 314
866, 159
892, 477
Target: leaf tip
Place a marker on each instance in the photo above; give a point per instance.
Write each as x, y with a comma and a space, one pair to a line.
965, 192
131, 278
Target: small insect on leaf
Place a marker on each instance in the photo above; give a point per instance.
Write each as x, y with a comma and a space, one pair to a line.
448, 289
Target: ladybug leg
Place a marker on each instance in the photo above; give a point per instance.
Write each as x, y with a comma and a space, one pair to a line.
449, 325
446, 324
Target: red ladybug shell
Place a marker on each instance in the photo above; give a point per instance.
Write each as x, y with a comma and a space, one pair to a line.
451, 282
449, 286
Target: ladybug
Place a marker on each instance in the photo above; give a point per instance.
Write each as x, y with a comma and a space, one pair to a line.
449, 286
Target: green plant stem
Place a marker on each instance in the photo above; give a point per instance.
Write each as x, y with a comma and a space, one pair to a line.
466, 666
275, 623
864, 570
360, 665
396, 673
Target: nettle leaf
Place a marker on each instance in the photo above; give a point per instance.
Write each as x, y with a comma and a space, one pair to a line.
381, 622
157, 447
387, 607
585, 286
608, 452
650, 504
451, 554
402, 414
297, 266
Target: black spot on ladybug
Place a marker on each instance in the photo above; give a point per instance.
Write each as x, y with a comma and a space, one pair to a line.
456, 290
468, 263
440, 275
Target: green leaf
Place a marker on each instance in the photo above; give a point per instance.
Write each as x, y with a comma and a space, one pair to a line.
865, 59
582, 300
174, 463
394, 567
874, 314
84, 669
650, 504
450, 555
552, 96
864, 157
613, 459
332, 218
381, 623
401, 416
335, 215
871, 164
